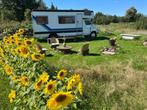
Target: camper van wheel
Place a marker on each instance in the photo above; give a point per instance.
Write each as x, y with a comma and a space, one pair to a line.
93, 35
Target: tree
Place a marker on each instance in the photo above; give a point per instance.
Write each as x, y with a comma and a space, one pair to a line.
42, 5
15, 9
115, 19
131, 14
53, 7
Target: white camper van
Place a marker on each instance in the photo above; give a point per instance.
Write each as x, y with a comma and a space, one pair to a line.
59, 23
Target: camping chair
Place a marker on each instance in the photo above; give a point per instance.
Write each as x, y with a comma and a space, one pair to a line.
54, 42
40, 49
84, 49
112, 42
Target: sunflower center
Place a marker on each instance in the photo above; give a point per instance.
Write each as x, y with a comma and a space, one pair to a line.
62, 74
37, 56
61, 98
39, 83
26, 79
9, 70
28, 42
50, 87
24, 51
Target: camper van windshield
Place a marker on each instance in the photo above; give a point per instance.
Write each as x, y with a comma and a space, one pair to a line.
88, 21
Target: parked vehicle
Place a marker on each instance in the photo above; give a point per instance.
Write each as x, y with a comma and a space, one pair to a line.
63, 23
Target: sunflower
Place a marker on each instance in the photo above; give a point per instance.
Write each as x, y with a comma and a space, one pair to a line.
5, 39
1, 52
37, 57
80, 88
18, 42
24, 80
14, 77
50, 87
27, 42
60, 100
24, 51
12, 95
17, 51
8, 69
44, 77
61, 74
2, 62
37, 85
73, 81
20, 31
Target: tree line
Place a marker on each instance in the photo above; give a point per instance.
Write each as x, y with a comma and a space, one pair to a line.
20, 10
139, 20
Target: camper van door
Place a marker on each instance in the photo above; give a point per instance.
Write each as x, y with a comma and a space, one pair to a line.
87, 26
79, 20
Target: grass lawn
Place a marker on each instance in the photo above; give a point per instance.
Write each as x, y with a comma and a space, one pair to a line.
129, 51
111, 82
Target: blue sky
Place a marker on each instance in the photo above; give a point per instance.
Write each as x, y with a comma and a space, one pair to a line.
111, 7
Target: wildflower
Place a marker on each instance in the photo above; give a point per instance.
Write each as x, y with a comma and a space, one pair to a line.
44, 77
12, 95
61, 74
80, 88
37, 85
50, 87
60, 100
8, 69
24, 80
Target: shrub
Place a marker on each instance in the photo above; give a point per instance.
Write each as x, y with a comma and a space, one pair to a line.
34, 86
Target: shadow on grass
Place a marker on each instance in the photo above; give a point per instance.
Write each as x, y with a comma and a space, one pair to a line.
92, 54
78, 39
49, 55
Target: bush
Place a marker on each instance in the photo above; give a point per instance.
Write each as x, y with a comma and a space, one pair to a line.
34, 86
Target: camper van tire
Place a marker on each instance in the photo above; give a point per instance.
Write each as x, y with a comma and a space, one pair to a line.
93, 35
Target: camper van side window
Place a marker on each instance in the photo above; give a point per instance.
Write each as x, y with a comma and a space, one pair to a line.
42, 19
66, 19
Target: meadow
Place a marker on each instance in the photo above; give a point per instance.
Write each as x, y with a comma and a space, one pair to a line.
111, 82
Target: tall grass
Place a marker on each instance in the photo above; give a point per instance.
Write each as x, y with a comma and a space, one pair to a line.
130, 28
114, 87
141, 23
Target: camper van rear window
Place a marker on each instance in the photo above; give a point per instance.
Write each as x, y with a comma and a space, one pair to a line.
42, 19
66, 19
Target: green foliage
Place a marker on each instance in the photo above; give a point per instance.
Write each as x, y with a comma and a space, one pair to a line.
131, 14
100, 18
27, 15
15, 9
